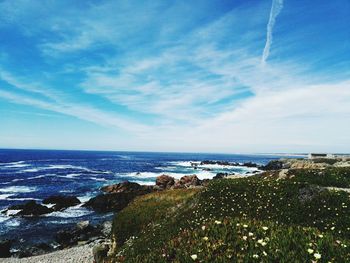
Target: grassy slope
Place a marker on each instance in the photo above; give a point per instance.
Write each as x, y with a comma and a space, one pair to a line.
226, 221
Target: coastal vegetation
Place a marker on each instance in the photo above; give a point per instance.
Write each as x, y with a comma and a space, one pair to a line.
255, 219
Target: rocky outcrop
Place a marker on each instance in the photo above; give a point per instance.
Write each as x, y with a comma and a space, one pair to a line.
165, 181
127, 187
5, 246
82, 232
187, 181
224, 163
220, 175
31, 208
273, 165
61, 202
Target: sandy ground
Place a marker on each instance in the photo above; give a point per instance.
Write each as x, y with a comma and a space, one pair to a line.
80, 254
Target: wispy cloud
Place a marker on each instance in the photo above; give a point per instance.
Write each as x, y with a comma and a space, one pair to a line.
276, 8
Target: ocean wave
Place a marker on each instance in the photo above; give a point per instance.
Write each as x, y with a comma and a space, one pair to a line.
17, 189
63, 167
5, 196
71, 212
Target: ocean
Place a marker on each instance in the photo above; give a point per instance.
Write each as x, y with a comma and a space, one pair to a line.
37, 174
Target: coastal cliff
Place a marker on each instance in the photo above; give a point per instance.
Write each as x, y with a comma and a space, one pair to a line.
301, 216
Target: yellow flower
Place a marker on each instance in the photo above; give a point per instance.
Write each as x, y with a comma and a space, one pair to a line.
194, 256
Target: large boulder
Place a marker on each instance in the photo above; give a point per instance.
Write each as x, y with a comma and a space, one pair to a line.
5, 246
82, 232
273, 165
165, 181
220, 176
115, 202
31, 208
61, 202
126, 187
187, 181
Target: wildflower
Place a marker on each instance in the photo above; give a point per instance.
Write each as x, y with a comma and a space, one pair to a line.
205, 238
194, 256
317, 255
244, 237
265, 228
217, 222
255, 256
320, 236
265, 254
332, 228
203, 227
245, 226
250, 234
310, 251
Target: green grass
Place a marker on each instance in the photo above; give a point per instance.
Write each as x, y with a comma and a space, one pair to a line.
336, 177
173, 225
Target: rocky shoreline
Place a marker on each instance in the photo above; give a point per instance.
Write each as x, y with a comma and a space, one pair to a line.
114, 198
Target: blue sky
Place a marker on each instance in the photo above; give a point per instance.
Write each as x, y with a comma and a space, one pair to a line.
200, 76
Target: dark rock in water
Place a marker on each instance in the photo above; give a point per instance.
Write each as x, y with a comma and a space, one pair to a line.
100, 252
5, 246
220, 175
273, 165
31, 208
126, 187
61, 202
187, 181
206, 169
250, 164
111, 202
165, 181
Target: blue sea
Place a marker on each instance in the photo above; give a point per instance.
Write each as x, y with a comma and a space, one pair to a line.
37, 174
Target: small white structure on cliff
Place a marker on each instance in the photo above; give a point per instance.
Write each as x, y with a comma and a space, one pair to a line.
320, 155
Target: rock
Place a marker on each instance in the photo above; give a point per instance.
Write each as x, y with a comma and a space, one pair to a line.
5, 246
83, 224
37, 249
220, 175
100, 252
61, 202
111, 202
187, 181
250, 164
31, 208
165, 181
83, 232
106, 228
126, 187
273, 165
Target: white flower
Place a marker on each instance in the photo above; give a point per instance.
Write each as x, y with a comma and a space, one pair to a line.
255, 256
245, 226
265, 254
244, 237
317, 255
310, 251
250, 234
217, 222
265, 228
205, 238
194, 256
203, 227
320, 236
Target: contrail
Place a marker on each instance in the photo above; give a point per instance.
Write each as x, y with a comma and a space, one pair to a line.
276, 8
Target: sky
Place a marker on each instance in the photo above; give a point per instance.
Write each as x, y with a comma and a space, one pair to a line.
231, 76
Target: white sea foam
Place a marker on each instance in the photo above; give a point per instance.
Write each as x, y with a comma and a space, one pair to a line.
200, 174
12, 222
5, 196
12, 212
143, 182
71, 212
17, 189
